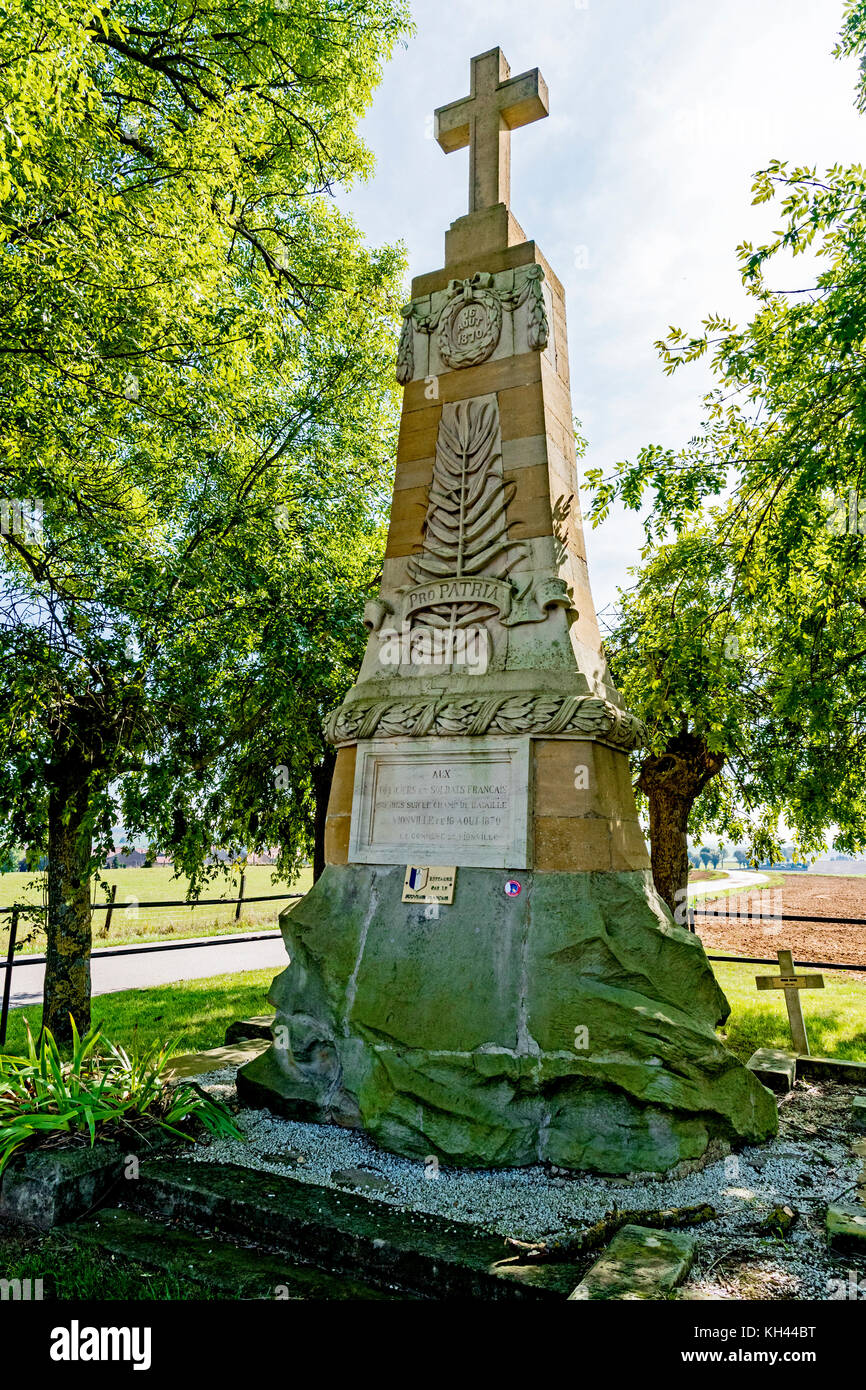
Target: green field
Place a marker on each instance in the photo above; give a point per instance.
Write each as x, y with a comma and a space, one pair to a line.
835, 1016
193, 1014
132, 920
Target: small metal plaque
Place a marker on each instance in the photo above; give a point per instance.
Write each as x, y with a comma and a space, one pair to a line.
428, 884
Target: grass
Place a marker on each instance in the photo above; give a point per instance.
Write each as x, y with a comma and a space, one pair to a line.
835, 1016
195, 1013
198, 1011
69, 1271
133, 921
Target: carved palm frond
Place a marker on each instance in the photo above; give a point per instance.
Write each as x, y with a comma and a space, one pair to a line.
466, 529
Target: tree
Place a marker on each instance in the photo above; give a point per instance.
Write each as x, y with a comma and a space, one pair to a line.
741, 857
745, 683
195, 368
748, 617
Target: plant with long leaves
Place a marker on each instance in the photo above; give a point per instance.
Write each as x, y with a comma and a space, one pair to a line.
102, 1091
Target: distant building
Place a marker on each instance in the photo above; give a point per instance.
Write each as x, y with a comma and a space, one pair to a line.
221, 856
125, 858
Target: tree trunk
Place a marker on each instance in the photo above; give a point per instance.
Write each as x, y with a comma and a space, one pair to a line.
323, 775
672, 782
67, 964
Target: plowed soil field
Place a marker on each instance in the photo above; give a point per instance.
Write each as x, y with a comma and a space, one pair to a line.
828, 896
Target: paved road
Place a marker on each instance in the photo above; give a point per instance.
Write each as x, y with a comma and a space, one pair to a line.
141, 968
734, 878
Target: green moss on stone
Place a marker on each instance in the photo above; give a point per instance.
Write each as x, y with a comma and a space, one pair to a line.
574, 1023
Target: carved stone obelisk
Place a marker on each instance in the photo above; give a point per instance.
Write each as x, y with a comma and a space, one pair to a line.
484, 971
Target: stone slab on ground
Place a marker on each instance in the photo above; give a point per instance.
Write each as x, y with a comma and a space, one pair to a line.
831, 1069
361, 1179
47, 1187
846, 1226
243, 1029
774, 1068
697, 1296
858, 1113
242, 1273
193, 1064
346, 1233
639, 1263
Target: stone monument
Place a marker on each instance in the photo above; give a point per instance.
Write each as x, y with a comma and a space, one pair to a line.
484, 972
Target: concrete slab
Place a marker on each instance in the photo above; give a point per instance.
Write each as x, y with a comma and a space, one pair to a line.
199, 1063
831, 1069
44, 1189
346, 1232
245, 1028
774, 1068
846, 1226
241, 1273
639, 1263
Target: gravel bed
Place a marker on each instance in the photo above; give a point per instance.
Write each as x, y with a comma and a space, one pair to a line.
807, 1166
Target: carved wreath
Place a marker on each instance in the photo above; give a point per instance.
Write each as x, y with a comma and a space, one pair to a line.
511, 714
489, 304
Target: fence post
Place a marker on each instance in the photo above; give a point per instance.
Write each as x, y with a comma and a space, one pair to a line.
112, 898
7, 983
691, 919
240, 898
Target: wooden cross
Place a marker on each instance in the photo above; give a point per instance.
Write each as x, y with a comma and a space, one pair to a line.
496, 105
792, 984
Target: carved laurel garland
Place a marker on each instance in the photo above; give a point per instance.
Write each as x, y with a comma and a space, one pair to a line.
406, 348
492, 714
539, 330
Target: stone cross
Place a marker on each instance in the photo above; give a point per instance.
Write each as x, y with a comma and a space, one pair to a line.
497, 104
792, 984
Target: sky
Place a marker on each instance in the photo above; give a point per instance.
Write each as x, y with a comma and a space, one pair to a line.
636, 187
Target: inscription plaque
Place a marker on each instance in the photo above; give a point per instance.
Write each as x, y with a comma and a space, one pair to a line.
450, 801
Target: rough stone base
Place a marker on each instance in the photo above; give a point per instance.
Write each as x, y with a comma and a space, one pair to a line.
573, 1023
